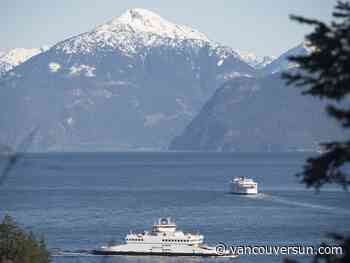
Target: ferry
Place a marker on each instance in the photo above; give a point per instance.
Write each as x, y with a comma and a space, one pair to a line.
163, 240
242, 185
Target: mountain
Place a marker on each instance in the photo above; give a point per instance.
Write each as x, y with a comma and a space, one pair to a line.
258, 114
254, 61
282, 63
14, 57
132, 83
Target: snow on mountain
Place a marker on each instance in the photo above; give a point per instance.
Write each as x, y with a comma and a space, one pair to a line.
253, 60
282, 63
16, 56
146, 21
266, 60
130, 33
132, 83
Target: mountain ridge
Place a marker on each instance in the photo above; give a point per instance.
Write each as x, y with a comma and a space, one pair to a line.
133, 83
16, 56
147, 87
260, 115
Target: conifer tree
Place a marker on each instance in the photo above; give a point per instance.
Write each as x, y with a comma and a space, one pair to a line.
17, 246
325, 73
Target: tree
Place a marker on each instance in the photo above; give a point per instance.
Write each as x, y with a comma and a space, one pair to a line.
17, 246
325, 73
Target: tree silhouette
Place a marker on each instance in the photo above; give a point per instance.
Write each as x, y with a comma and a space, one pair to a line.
325, 73
17, 246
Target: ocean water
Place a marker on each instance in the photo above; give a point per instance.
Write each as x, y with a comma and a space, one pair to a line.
82, 201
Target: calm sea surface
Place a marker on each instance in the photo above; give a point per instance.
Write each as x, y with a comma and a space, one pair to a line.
82, 201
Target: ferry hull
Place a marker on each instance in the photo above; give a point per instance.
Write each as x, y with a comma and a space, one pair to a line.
149, 253
237, 189
244, 192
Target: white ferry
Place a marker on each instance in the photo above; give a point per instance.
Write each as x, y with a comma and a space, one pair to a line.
163, 240
242, 185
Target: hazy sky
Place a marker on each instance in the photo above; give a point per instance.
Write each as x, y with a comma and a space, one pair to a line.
260, 26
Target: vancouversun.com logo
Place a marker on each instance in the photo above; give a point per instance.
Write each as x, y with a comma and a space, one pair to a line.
275, 250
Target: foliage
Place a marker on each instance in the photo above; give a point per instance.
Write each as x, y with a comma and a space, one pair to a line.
17, 246
325, 73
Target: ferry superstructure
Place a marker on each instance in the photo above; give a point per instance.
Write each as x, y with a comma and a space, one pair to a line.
242, 185
163, 240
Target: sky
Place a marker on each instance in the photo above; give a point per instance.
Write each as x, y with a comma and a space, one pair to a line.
259, 26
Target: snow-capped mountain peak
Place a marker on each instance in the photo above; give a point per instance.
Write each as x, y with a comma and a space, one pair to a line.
253, 60
142, 20
129, 33
282, 63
